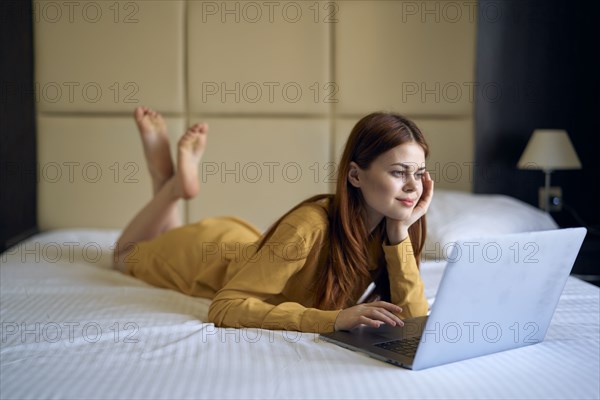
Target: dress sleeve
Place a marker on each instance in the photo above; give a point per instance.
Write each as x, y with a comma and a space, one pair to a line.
241, 302
406, 286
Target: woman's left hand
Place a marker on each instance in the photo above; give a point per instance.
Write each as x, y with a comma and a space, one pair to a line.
397, 230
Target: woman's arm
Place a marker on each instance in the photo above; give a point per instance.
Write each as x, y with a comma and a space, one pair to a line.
406, 286
265, 274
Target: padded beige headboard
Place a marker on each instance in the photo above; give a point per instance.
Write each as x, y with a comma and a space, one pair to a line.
280, 84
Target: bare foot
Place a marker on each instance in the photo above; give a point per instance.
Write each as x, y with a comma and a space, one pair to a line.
190, 148
153, 131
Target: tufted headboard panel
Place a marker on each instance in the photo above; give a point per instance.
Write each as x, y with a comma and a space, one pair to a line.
280, 84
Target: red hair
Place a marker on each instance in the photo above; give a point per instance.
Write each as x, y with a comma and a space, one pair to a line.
347, 268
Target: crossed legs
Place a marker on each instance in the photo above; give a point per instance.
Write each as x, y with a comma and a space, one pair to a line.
169, 184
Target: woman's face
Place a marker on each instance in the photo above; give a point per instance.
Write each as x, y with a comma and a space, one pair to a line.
393, 184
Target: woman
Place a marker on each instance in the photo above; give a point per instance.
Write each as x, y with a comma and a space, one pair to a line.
308, 271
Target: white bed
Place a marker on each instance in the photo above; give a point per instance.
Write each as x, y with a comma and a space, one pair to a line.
74, 328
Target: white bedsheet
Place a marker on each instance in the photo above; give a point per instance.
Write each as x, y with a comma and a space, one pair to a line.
73, 328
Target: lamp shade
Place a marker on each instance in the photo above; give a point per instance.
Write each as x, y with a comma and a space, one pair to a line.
549, 150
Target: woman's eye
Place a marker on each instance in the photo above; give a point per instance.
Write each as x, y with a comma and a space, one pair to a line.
419, 175
399, 173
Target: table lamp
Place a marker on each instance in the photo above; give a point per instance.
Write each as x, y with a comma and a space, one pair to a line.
549, 150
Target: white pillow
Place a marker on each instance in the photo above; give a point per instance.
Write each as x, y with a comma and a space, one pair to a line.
455, 215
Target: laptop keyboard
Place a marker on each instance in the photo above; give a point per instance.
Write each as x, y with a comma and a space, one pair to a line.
406, 347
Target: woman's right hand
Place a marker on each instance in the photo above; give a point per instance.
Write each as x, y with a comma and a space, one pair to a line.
371, 314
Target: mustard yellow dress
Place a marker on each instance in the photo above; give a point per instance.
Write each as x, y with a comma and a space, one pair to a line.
217, 258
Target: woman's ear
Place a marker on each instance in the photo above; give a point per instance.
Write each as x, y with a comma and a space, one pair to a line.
353, 174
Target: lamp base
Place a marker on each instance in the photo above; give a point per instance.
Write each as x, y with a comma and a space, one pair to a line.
554, 198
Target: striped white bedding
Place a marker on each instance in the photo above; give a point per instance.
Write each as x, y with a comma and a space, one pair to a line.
73, 328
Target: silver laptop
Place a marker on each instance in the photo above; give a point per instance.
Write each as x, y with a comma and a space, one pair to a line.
496, 294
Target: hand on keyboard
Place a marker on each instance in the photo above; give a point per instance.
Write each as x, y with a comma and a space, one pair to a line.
371, 314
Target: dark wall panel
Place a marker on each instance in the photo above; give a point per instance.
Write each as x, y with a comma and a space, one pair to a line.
17, 124
537, 61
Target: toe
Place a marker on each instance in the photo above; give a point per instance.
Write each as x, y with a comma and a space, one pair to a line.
200, 127
138, 112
